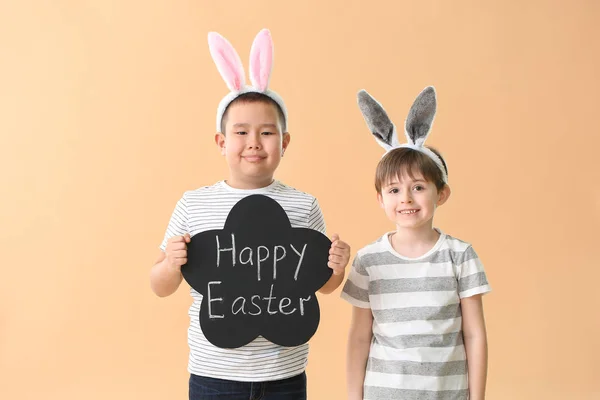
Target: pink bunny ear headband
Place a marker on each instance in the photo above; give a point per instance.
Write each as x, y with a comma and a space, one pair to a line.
231, 69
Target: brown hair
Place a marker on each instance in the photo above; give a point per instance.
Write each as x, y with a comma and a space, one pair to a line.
405, 160
254, 97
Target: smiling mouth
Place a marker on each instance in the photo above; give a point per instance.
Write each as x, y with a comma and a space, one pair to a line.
253, 158
408, 211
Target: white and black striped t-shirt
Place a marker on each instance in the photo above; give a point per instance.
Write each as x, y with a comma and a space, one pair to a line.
417, 349
205, 209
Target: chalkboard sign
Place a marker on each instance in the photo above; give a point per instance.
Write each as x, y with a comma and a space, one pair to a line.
258, 276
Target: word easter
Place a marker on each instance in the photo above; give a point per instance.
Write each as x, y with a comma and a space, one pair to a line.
240, 304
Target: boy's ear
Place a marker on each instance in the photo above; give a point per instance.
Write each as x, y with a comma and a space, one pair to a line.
220, 141
285, 142
443, 195
380, 200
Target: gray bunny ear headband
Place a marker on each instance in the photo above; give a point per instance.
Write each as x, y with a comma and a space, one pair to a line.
416, 128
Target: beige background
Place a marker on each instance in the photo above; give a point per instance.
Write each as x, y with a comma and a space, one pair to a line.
107, 116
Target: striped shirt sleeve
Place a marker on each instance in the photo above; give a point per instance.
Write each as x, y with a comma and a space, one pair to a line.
472, 279
178, 225
315, 218
356, 288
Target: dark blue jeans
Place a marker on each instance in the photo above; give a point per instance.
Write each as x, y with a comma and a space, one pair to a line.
202, 388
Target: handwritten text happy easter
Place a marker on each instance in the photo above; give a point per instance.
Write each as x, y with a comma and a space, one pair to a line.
265, 260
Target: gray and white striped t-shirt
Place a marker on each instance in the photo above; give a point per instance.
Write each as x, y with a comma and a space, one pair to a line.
205, 209
417, 350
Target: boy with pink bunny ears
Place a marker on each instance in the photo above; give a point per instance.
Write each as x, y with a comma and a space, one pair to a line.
252, 136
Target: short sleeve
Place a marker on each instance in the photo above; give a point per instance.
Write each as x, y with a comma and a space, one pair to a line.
356, 288
315, 218
178, 225
472, 279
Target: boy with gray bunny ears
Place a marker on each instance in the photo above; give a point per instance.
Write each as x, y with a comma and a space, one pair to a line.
418, 330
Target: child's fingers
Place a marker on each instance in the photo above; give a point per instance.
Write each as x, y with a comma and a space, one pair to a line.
173, 239
337, 262
173, 246
176, 239
180, 261
340, 245
339, 252
336, 258
187, 238
178, 253
336, 268
337, 248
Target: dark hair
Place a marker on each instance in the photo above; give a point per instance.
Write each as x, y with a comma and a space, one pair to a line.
405, 160
254, 97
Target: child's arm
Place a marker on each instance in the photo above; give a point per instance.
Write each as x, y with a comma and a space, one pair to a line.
359, 344
339, 252
339, 255
165, 276
333, 283
475, 344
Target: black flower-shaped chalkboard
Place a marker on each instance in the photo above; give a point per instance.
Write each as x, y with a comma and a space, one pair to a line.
258, 276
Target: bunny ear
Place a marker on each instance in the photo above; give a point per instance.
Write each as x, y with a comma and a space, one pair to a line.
227, 60
377, 120
420, 117
261, 60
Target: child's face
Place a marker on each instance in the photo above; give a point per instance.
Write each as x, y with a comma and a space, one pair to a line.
253, 143
411, 203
